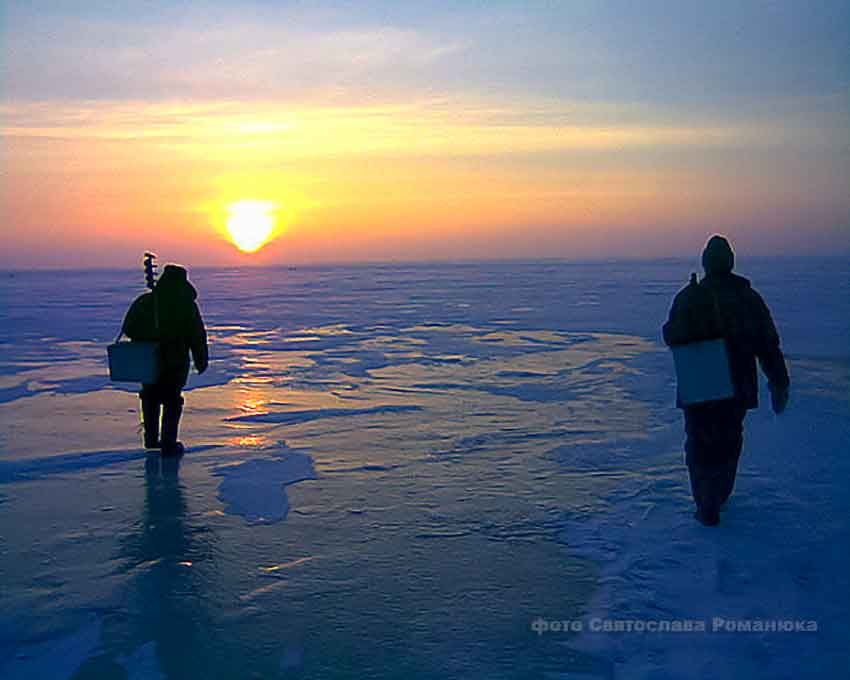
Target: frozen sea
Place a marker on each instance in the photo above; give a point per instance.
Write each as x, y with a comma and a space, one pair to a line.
418, 471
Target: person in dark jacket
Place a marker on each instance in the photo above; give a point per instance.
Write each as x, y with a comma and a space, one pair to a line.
724, 305
170, 316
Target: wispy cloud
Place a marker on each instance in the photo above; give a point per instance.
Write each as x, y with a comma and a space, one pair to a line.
402, 129
240, 59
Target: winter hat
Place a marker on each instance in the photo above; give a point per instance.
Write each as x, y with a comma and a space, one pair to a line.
173, 273
173, 281
718, 258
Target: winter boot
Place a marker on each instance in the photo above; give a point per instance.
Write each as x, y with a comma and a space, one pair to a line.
171, 412
150, 422
707, 519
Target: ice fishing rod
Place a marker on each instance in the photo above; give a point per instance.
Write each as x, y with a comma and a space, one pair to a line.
150, 270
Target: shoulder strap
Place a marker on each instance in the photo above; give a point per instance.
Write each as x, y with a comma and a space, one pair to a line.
718, 317
155, 311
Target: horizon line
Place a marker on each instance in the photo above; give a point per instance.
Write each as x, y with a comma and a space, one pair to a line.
425, 263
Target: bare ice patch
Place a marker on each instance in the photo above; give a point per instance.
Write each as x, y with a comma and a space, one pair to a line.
306, 416
256, 488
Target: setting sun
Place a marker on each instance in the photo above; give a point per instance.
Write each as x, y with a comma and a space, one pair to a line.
250, 224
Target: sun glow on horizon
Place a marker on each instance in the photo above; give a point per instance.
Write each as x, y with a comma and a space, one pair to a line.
250, 224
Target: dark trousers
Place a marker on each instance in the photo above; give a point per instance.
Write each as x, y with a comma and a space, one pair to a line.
162, 392
715, 435
165, 395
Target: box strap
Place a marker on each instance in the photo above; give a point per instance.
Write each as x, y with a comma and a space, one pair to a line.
717, 315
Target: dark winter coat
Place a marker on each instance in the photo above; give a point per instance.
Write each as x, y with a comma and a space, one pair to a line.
180, 327
724, 305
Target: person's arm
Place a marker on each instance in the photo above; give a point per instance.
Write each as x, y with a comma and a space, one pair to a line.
675, 331
690, 318
198, 341
770, 356
134, 323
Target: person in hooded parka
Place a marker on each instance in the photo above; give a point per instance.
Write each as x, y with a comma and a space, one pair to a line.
724, 305
169, 315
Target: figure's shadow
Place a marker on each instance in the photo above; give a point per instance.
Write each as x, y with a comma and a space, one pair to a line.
169, 616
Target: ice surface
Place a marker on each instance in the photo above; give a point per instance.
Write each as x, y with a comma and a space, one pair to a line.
143, 664
58, 657
395, 470
291, 417
255, 489
779, 555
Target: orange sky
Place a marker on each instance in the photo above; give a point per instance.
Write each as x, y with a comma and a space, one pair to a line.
391, 170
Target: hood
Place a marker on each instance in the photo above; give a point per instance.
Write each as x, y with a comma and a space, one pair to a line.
718, 258
174, 281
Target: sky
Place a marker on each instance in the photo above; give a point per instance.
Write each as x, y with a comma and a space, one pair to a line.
388, 131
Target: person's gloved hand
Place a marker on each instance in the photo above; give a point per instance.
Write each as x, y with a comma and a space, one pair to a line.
779, 398
201, 366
